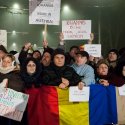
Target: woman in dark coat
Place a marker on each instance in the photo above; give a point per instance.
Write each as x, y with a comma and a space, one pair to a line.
105, 77
9, 73
31, 75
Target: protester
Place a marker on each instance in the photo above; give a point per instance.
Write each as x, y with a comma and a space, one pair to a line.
9, 74
112, 59
85, 71
105, 77
31, 73
37, 55
70, 56
9, 70
26, 52
59, 74
47, 58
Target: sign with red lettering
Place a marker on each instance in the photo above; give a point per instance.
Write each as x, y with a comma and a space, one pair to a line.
44, 12
76, 29
12, 104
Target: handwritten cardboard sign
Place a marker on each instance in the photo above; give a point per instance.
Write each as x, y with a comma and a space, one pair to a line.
12, 104
3, 38
122, 90
44, 12
76, 95
93, 49
76, 29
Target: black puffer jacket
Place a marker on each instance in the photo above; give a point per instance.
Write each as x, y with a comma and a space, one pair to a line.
53, 75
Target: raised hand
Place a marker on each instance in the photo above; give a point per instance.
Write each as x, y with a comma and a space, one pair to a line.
27, 46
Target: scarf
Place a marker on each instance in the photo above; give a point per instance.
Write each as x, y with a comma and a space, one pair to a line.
6, 70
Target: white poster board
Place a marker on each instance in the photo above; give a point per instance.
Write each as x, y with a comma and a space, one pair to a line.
76, 95
121, 90
76, 29
3, 38
93, 49
12, 104
44, 12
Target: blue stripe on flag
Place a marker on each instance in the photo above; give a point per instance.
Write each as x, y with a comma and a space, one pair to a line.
102, 105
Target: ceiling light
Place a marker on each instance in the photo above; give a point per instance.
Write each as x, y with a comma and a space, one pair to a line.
16, 6
66, 8
13, 32
14, 44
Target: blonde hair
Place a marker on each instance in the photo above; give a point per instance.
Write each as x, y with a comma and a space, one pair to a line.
10, 56
102, 61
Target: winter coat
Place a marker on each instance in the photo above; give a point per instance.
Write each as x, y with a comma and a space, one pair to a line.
14, 80
86, 73
53, 76
34, 79
112, 78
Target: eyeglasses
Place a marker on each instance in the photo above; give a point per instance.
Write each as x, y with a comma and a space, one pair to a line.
31, 65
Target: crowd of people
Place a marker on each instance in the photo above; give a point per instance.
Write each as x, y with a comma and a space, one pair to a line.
59, 68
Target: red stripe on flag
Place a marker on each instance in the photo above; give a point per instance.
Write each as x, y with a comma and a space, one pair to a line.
43, 106
50, 108
33, 105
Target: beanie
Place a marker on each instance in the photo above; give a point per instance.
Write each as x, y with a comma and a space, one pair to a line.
48, 50
58, 51
83, 53
115, 51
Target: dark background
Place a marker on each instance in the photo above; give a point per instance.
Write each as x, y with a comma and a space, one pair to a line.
108, 23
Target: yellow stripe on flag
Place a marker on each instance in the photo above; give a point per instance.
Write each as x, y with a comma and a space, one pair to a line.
72, 113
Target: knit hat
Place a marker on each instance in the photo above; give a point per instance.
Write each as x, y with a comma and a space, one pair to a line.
83, 53
37, 51
2, 48
115, 51
38, 55
48, 50
58, 51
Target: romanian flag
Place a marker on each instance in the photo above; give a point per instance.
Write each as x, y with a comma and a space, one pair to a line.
50, 105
